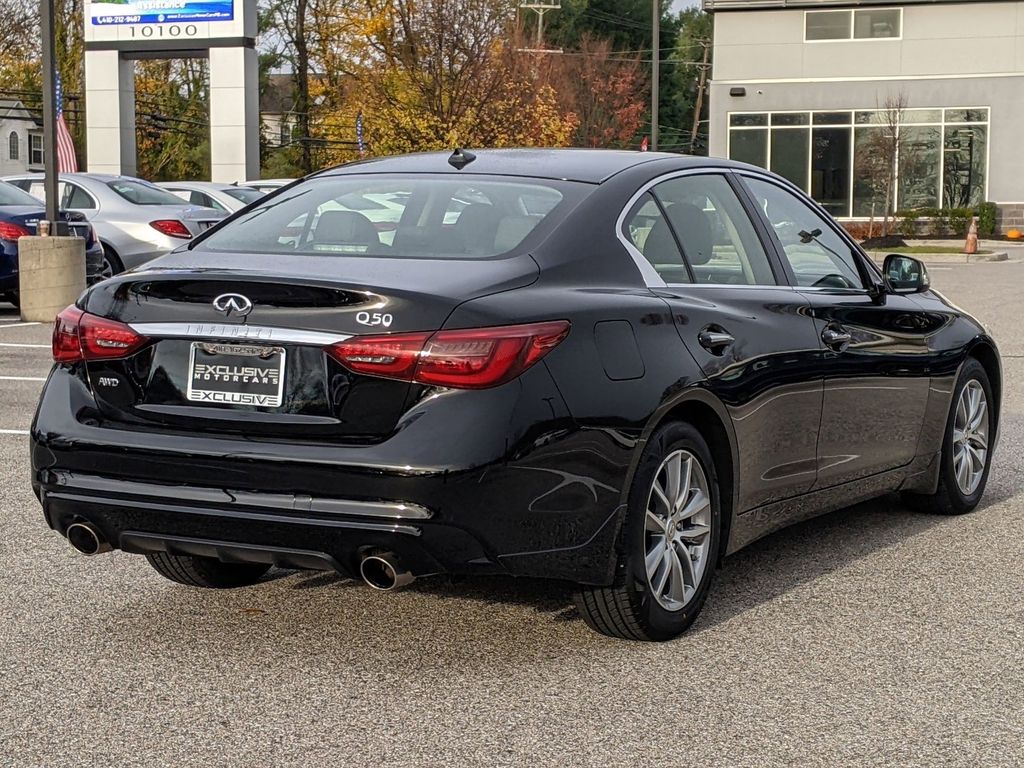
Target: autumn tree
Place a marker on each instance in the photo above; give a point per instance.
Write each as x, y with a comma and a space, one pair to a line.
605, 91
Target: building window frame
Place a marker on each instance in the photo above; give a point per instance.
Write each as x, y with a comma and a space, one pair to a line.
851, 27
14, 146
944, 123
35, 149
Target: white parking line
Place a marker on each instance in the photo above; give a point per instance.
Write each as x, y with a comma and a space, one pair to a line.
32, 346
22, 378
13, 431
10, 324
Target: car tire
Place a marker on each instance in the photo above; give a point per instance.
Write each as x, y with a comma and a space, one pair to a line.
206, 571
111, 264
953, 496
640, 604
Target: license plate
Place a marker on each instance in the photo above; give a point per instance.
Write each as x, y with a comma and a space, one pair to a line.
235, 374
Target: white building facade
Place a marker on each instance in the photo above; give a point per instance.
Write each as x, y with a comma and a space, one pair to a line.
801, 87
21, 140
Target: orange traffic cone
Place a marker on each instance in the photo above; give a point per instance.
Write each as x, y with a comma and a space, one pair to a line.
971, 246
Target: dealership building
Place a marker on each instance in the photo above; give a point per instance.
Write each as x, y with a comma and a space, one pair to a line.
801, 87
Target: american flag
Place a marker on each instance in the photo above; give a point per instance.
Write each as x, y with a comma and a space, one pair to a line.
66, 160
359, 133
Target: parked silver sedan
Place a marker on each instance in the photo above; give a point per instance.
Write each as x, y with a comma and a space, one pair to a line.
135, 221
212, 194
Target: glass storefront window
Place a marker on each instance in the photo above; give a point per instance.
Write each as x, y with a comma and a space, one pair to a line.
964, 153
749, 146
920, 167
790, 154
967, 115
943, 163
740, 121
831, 118
922, 116
791, 118
870, 171
830, 169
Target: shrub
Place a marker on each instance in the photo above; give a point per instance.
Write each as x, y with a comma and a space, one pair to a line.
987, 213
960, 220
907, 225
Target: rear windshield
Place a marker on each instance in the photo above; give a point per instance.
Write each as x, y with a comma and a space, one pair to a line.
244, 194
141, 193
11, 195
411, 216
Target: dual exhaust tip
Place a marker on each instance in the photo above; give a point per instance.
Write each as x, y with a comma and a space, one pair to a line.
383, 570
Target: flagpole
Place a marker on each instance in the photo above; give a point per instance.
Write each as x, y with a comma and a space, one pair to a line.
49, 115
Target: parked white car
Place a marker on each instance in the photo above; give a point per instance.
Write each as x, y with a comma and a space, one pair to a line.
135, 221
211, 194
267, 185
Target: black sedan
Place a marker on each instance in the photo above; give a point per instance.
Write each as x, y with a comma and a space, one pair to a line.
611, 368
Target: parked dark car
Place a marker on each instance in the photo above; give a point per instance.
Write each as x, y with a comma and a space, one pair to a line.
611, 368
19, 216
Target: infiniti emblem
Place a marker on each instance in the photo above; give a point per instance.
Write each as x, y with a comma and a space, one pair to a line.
233, 304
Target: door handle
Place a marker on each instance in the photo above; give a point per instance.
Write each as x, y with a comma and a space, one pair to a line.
835, 338
715, 339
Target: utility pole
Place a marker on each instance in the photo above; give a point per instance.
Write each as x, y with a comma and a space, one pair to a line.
699, 103
49, 115
655, 69
540, 7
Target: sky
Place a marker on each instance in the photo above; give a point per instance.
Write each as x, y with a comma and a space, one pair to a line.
679, 5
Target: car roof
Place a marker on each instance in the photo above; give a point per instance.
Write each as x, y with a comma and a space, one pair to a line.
588, 165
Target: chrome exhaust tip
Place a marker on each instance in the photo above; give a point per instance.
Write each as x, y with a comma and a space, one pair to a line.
86, 539
383, 571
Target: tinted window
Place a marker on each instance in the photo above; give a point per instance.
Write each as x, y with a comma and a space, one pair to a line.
649, 232
421, 215
718, 239
78, 199
817, 254
827, 25
11, 195
141, 193
245, 194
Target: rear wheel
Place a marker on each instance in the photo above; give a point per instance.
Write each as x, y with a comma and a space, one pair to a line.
111, 264
206, 571
966, 448
669, 543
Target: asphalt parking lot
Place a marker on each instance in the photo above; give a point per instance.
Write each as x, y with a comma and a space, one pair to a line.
872, 636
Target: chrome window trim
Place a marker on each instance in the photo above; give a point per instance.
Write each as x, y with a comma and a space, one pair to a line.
651, 276
227, 331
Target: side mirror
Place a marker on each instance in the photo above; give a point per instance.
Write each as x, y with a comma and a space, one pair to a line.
905, 274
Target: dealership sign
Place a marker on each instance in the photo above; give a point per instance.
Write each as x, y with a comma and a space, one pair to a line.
162, 23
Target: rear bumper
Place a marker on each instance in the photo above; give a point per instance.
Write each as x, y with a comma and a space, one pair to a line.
511, 486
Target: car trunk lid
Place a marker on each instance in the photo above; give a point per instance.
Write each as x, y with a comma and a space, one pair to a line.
257, 339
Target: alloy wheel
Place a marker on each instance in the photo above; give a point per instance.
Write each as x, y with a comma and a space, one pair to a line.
677, 530
970, 437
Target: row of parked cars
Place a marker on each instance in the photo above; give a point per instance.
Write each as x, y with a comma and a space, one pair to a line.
125, 221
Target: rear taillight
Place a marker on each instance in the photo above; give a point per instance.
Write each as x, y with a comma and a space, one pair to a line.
77, 336
171, 228
473, 358
10, 231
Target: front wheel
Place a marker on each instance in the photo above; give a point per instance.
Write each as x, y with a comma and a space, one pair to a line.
206, 571
669, 543
966, 447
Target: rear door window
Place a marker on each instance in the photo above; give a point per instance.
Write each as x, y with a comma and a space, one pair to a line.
422, 215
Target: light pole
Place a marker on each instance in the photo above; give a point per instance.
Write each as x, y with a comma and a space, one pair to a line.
655, 69
49, 116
